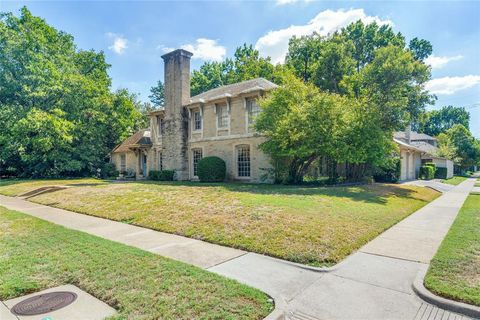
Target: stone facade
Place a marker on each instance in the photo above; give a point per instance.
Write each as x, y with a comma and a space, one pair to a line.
215, 123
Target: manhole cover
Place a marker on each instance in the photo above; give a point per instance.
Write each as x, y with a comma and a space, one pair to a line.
44, 303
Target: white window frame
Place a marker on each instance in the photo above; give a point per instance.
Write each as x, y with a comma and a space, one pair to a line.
123, 162
194, 121
193, 151
225, 117
237, 162
252, 115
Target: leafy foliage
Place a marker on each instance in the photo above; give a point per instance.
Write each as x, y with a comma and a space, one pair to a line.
245, 65
161, 175
436, 122
461, 146
427, 172
211, 169
57, 114
157, 96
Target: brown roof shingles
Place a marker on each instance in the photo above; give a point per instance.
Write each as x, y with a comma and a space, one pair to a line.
233, 90
139, 138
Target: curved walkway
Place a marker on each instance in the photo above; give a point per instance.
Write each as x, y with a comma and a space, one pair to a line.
373, 283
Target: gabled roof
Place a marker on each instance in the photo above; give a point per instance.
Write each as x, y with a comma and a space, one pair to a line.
140, 138
233, 90
414, 136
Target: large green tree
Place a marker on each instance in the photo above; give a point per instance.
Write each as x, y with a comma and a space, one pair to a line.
246, 64
57, 114
437, 121
464, 147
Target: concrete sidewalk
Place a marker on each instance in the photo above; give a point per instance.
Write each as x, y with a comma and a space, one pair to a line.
374, 283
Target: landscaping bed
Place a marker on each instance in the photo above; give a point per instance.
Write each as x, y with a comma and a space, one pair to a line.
35, 255
313, 225
454, 272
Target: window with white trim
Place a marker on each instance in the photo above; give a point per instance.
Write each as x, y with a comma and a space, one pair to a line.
253, 110
196, 156
243, 161
222, 116
197, 120
160, 161
123, 162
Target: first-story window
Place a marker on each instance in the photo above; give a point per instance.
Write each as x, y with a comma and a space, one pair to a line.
253, 110
243, 161
197, 120
160, 161
222, 116
196, 156
123, 162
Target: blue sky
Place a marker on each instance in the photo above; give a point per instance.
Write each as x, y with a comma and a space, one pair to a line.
135, 34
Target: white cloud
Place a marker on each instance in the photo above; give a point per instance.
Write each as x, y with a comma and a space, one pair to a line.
438, 62
119, 43
275, 43
204, 49
450, 85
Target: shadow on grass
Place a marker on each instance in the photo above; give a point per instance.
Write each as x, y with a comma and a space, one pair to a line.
374, 193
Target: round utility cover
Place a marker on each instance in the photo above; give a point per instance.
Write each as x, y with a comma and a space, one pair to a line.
44, 303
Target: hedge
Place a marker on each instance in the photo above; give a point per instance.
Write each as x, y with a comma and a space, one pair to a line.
163, 175
441, 173
427, 171
211, 169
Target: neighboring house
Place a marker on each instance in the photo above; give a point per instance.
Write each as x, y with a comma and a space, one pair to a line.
416, 149
214, 123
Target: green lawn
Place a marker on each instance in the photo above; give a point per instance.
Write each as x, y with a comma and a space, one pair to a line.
312, 225
35, 255
15, 187
455, 270
456, 180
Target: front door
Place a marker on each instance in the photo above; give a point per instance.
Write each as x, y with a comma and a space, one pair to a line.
144, 165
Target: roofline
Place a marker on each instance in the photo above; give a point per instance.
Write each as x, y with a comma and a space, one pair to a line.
226, 96
178, 52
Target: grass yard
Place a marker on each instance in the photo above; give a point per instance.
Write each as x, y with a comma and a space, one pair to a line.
456, 180
455, 270
16, 187
35, 255
313, 225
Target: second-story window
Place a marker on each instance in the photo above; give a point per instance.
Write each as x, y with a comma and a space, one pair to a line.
253, 110
222, 116
197, 120
161, 125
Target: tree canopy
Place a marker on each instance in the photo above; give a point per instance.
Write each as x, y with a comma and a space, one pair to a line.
57, 113
438, 121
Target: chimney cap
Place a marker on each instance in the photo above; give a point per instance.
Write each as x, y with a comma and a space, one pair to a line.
178, 52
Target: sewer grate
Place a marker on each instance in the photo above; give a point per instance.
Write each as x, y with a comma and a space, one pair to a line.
44, 303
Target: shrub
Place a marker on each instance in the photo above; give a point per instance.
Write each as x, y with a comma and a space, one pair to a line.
109, 171
211, 169
163, 175
389, 172
427, 172
441, 173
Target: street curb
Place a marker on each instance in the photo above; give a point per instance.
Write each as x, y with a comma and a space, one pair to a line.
447, 304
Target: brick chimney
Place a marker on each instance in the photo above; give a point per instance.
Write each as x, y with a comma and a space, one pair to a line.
177, 94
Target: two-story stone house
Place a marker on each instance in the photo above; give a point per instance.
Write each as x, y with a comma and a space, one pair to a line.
215, 123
